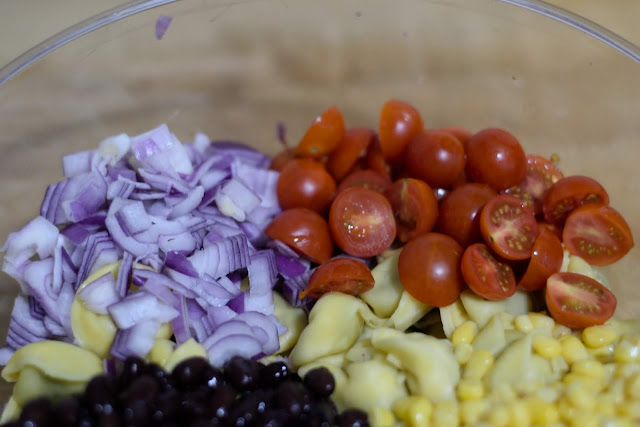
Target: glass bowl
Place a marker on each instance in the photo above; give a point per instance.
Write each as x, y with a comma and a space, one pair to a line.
233, 69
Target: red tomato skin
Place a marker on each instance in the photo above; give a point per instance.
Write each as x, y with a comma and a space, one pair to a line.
361, 222
305, 183
353, 147
553, 228
323, 135
569, 193
546, 259
459, 213
541, 175
462, 134
375, 160
344, 275
429, 269
303, 230
365, 178
518, 244
399, 123
436, 157
496, 158
280, 160
598, 234
599, 309
415, 207
486, 275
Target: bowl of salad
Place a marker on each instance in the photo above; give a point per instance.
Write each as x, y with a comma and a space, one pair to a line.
332, 213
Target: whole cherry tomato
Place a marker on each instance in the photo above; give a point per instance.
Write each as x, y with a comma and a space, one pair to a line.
366, 178
280, 160
353, 147
414, 206
496, 158
345, 275
399, 123
546, 259
305, 183
429, 269
462, 134
569, 193
323, 136
361, 222
436, 157
305, 231
485, 275
375, 160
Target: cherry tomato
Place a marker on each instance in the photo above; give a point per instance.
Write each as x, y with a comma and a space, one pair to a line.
361, 222
303, 230
569, 193
435, 157
551, 227
305, 183
429, 269
345, 275
351, 148
508, 227
462, 134
399, 123
485, 275
541, 175
375, 160
578, 301
414, 206
598, 234
280, 160
546, 259
459, 215
366, 178
323, 136
496, 158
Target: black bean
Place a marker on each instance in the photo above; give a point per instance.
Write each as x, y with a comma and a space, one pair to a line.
242, 373
100, 394
193, 404
320, 382
250, 407
293, 398
188, 374
137, 413
36, 413
353, 418
221, 401
65, 412
167, 405
273, 418
159, 374
273, 374
144, 388
131, 368
323, 412
109, 420
213, 377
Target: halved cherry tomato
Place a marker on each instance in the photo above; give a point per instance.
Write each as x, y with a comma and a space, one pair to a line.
459, 215
305, 231
551, 227
436, 157
345, 275
541, 175
569, 193
280, 160
361, 222
578, 301
546, 259
351, 148
462, 134
485, 275
365, 178
375, 160
305, 183
414, 206
429, 269
323, 136
508, 227
399, 123
496, 158
598, 234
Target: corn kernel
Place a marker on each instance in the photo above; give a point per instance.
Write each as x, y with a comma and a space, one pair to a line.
617, 422
588, 382
585, 419
542, 412
523, 323
599, 336
572, 349
464, 333
560, 330
478, 364
463, 352
470, 389
546, 347
471, 411
414, 411
626, 351
381, 417
603, 354
499, 416
579, 396
632, 386
519, 415
626, 370
445, 414
589, 368
541, 321
504, 392
616, 390
629, 409
566, 411
507, 320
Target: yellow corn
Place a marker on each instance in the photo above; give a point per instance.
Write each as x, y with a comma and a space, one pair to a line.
472, 411
414, 411
464, 333
505, 393
446, 414
625, 351
566, 411
605, 405
541, 321
381, 417
470, 389
546, 347
499, 416
632, 386
589, 368
626, 370
588, 382
572, 349
585, 419
579, 396
478, 364
542, 412
599, 336
463, 352
603, 354
629, 410
523, 323
519, 415
560, 330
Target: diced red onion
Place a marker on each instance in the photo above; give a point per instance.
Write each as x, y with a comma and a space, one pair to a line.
135, 341
180, 324
191, 202
35, 309
77, 163
233, 345
236, 200
55, 329
124, 271
38, 236
114, 148
5, 355
222, 257
162, 24
139, 307
100, 293
259, 320
21, 318
183, 243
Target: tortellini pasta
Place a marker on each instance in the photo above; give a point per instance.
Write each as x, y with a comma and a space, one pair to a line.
387, 290
293, 318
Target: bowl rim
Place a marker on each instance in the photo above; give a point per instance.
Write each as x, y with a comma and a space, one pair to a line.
125, 10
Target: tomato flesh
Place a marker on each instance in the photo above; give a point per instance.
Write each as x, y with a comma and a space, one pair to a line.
353, 147
598, 234
345, 275
361, 222
485, 275
323, 136
366, 178
546, 259
414, 206
541, 175
305, 183
399, 123
508, 227
578, 301
429, 269
570, 193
